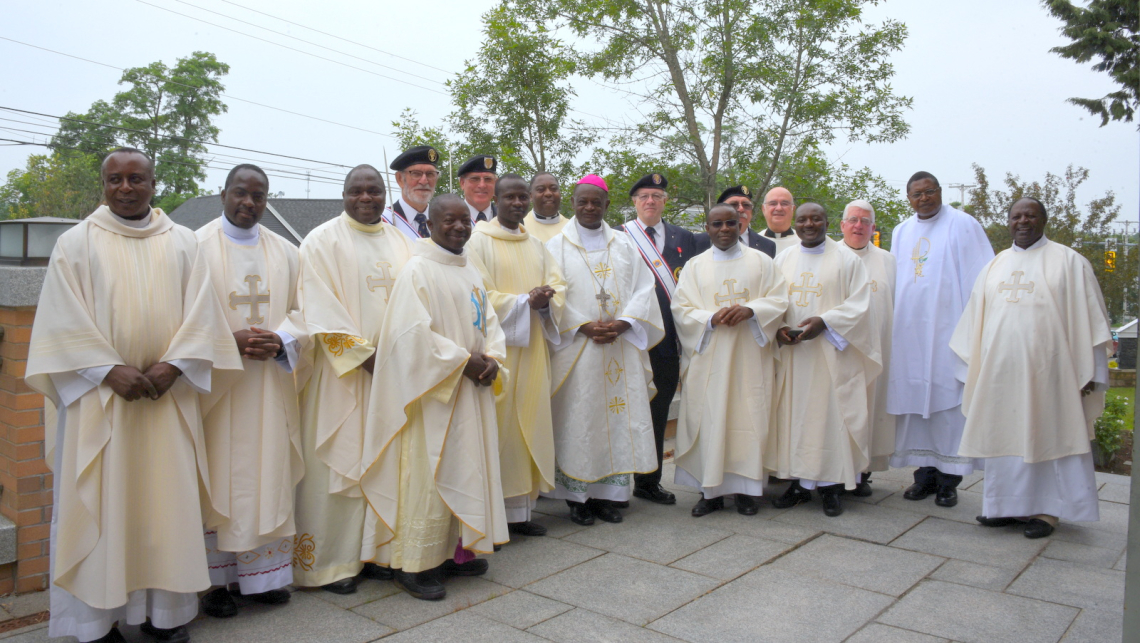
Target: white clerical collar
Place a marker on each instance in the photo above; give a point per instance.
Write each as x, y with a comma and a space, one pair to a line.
547, 220
818, 250
240, 236
768, 232
591, 239
935, 217
858, 251
136, 223
476, 212
1036, 244
410, 211
727, 255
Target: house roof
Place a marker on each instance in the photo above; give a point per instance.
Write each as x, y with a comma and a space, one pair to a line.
293, 219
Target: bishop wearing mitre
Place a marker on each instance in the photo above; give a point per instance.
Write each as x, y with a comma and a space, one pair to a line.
729, 303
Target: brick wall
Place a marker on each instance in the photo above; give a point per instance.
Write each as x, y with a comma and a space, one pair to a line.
26, 499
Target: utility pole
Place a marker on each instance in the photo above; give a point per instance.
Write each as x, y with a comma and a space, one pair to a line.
962, 187
307, 174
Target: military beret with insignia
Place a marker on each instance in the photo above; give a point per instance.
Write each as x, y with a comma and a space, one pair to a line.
736, 190
418, 155
479, 163
657, 181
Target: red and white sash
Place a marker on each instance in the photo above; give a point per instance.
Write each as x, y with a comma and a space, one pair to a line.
396, 218
652, 256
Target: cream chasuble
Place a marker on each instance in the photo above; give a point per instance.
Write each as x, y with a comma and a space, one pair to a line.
823, 429
727, 374
128, 513
1032, 335
515, 263
252, 422
880, 266
601, 392
432, 438
348, 271
544, 229
784, 242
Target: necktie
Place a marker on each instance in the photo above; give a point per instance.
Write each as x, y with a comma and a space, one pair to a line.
482, 217
421, 221
652, 232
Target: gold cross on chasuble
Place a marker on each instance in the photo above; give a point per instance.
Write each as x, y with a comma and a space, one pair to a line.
1014, 289
804, 289
919, 256
385, 281
253, 300
731, 296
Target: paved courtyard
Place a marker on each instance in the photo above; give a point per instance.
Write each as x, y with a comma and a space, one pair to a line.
888, 570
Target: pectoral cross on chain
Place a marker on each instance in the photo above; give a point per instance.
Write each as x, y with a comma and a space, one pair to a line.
804, 289
1014, 289
732, 297
604, 300
253, 300
386, 281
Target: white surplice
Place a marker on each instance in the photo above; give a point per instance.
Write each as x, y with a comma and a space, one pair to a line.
937, 261
603, 431
1034, 333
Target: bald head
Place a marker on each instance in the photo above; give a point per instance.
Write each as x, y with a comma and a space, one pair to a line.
365, 168
779, 209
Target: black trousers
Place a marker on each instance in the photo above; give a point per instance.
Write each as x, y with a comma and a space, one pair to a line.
666, 372
932, 477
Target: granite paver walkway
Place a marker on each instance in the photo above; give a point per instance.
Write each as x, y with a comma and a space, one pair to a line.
888, 570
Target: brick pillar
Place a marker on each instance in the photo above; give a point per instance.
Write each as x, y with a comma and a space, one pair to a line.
26, 499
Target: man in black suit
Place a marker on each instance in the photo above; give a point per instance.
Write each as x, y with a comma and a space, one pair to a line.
477, 179
665, 248
740, 197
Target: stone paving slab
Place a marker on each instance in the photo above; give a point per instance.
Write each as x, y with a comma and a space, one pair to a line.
731, 557
973, 615
1007, 548
1122, 563
1113, 518
859, 520
967, 510
401, 611
792, 608
625, 588
975, 575
521, 563
879, 633
1069, 584
25, 605
521, 609
584, 626
1115, 493
877, 568
366, 592
674, 537
1095, 626
466, 626
1081, 554
760, 526
303, 619
1081, 534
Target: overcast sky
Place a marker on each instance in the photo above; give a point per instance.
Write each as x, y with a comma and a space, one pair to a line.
986, 88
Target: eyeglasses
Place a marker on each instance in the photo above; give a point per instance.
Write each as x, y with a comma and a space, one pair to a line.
418, 175
717, 225
914, 196
650, 196
854, 220
772, 204
742, 205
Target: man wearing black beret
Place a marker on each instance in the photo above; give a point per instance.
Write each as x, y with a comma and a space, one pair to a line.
477, 182
417, 174
740, 198
665, 249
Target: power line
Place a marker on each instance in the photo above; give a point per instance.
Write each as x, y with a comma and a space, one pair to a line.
300, 51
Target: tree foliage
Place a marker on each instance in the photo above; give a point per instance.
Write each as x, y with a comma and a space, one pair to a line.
61, 184
1107, 31
783, 75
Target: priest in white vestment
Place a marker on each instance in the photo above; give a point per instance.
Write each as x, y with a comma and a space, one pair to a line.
431, 444
349, 266
1036, 338
938, 254
779, 208
545, 221
823, 429
600, 373
526, 289
858, 225
127, 335
729, 303
251, 421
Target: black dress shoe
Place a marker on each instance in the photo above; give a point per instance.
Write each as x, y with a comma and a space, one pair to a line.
272, 597
527, 528
996, 522
372, 571
496, 548
655, 493
747, 505
829, 497
422, 585
114, 636
476, 567
342, 586
863, 489
919, 491
947, 497
795, 495
219, 604
706, 506
170, 635
580, 514
604, 510
1037, 528
620, 504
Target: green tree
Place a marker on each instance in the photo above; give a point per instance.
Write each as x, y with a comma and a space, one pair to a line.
61, 184
1107, 31
792, 74
514, 98
409, 132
